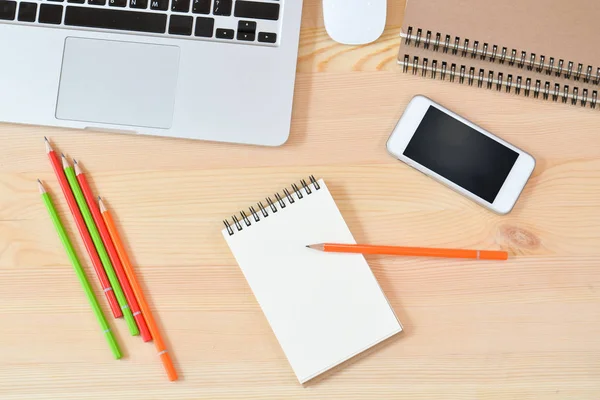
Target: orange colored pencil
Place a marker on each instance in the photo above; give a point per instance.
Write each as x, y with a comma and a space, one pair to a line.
137, 290
410, 251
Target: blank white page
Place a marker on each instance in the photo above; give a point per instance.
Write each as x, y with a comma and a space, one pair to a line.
324, 308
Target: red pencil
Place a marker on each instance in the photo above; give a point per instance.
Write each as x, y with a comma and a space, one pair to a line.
112, 253
87, 240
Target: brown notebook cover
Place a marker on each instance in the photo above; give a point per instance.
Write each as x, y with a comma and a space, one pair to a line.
539, 48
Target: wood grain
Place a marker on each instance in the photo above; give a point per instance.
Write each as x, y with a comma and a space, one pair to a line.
528, 328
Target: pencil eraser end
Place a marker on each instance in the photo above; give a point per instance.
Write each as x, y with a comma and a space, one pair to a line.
168, 363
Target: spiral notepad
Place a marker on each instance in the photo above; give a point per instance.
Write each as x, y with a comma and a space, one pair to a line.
537, 48
323, 308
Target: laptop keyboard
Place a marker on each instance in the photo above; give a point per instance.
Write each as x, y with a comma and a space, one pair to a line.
249, 22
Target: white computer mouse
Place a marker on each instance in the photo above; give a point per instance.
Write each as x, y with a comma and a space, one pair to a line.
354, 21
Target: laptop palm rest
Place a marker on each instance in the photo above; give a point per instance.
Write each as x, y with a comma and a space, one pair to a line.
118, 83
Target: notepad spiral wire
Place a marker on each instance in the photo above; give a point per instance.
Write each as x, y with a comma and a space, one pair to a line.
528, 60
272, 206
498, 81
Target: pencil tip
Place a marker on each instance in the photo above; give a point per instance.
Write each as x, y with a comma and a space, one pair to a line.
48, 147
78, 170
41, 187
63, 155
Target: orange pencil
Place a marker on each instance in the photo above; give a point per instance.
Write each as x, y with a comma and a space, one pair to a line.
137, 290
410, 251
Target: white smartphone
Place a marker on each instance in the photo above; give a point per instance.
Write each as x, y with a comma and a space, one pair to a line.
461, 155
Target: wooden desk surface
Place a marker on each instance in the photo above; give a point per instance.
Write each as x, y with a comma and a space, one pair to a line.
528, 328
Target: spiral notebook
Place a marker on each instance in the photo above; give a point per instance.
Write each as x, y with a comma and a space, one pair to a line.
323, 308
539, 48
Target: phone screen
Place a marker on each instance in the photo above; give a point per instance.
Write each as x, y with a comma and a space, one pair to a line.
461, 154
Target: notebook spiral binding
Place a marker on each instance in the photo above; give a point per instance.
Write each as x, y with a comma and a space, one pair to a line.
501, 55
498, 81
272, 206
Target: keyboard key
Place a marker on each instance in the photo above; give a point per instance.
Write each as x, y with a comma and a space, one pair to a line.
267, 37
224, 33
255, 10
117, 3
245, 36
50, 14
57, 1
27, 12
76, 1
8, 10
143, 4
201, 7
162, 5
116, 19
97, 2
247, 26
181, 25
181, 6
204, 27
222, 7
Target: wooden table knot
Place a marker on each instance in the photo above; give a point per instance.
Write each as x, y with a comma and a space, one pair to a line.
518, 237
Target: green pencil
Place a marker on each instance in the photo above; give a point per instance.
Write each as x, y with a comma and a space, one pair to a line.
91, 225
79, 271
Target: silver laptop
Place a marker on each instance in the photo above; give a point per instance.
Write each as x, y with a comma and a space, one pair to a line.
219, 70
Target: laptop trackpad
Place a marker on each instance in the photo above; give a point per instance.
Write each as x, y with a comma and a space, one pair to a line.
121, 83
